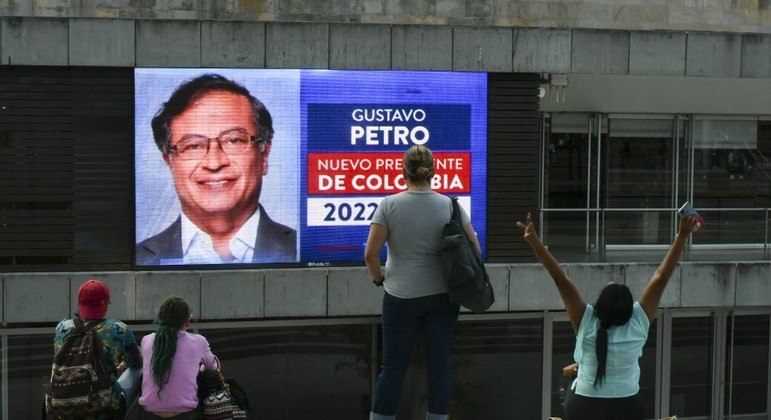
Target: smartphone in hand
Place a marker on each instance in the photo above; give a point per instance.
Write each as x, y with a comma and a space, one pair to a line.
688, 210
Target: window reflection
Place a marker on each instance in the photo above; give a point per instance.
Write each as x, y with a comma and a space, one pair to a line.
320, 372
732, 172
566, 168
639, 154
29, 371
570, 166
691, 367
570, 235
747, 365
723, 166
563, 343
291, 372
497, 370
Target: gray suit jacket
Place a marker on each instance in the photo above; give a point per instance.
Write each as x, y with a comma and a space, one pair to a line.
274, 243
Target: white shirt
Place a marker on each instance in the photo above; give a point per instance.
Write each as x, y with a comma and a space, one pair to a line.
198, 248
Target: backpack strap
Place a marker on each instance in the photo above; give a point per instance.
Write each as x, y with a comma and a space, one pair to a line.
77, 322
80, 328
455, 217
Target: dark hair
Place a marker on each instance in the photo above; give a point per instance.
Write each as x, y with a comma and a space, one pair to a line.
172, 316
190, 91
419, 164
613, 307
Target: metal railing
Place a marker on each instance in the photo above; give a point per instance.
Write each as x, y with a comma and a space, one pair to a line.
599, 230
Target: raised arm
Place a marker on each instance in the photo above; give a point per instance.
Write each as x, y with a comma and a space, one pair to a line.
651, 296
571, 298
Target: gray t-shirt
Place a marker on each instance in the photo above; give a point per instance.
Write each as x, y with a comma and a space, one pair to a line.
415, 220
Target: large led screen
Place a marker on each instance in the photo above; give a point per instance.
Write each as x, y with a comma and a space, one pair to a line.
288, 166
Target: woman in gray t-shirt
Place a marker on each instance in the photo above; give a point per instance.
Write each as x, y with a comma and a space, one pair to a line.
415, 302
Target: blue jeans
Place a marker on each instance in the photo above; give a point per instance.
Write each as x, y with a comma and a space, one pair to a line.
433, 318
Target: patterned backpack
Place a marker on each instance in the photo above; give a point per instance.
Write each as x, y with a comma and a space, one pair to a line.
80, 382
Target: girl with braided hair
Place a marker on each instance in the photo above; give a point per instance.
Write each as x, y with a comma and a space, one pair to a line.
609, 335
169, 386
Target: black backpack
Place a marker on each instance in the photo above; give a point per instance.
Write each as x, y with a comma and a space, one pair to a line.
467, 281
80, 382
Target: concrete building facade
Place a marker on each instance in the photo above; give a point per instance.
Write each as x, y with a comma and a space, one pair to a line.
298, 337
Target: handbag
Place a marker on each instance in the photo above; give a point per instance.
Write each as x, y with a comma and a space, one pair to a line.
222, 399
467, 281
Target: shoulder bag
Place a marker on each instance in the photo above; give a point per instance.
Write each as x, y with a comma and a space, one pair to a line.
467, 281
222, 399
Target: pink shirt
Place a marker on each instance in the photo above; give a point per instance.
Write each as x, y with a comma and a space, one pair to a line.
180, 394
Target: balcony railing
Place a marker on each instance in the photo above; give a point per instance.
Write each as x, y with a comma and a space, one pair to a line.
644, 234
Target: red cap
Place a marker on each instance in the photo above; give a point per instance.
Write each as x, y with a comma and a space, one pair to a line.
93, 299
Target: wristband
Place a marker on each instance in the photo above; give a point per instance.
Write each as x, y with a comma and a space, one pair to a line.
379, 283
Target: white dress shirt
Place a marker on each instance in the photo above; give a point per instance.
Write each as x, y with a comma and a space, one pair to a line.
197, 246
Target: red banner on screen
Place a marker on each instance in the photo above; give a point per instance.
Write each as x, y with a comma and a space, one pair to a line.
381, 173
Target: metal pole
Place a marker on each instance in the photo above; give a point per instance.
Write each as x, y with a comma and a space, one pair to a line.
542, 165
657, 387
588, 184
548, 331
597, 191
676, 163
730, 351
765, 241
602, 242
4, 368
666, 325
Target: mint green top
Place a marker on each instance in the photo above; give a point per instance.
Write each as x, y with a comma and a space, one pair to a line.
625, 344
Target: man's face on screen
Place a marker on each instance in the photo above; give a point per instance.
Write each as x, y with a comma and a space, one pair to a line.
217, 184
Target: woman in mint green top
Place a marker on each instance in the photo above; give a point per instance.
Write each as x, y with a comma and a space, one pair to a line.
624, 346
610, 334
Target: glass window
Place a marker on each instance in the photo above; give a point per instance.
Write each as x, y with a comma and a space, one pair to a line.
566, 161
29, 361
747, 365
570, 235
691, 367
563, 343
570, 183
722, 165
730, 173
319, 372
497, 370
759, 166
639, 155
